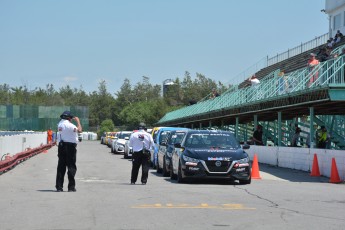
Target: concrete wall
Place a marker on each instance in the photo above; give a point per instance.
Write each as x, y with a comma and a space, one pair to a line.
300, 158
17, 143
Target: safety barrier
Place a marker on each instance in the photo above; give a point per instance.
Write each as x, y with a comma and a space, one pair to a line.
299, 158
10, 162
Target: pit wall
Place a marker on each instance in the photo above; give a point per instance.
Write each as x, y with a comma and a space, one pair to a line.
16, 143
300, 158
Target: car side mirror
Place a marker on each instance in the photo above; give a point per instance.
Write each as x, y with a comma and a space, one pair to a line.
164, 143
245, 146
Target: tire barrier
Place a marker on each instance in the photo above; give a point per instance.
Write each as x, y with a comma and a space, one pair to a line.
8, 162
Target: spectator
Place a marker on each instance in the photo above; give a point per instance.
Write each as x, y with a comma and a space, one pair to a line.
254, 81
214, 93
257, 136
323, 54
323, 138
337, 39
296, 137
282, 83
312, 63
330, 43
50, 135
339, 35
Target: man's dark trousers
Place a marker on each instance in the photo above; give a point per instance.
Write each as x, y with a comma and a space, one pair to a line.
139, 159
67, 153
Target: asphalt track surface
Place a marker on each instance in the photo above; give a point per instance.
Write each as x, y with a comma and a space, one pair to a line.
282, 199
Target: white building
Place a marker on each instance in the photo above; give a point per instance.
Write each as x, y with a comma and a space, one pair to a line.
336, 12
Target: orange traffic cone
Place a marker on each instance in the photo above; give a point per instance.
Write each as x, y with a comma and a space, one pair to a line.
255, 168
334, 173
315, 170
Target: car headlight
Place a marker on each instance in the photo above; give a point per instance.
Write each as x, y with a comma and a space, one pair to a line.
243, 161
189, 159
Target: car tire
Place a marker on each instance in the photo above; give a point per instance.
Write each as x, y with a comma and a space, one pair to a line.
159, 170
164, 170
246, 181
172, 175
180, 179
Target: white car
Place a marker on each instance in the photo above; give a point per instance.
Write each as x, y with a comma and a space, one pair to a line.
118, 145
128, 150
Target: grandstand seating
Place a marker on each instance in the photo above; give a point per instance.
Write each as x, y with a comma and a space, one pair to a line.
244, 102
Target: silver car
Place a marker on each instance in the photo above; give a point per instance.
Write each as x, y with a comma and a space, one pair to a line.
118, 145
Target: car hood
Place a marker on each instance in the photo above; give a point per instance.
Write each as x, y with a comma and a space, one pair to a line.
216, 154
121, 141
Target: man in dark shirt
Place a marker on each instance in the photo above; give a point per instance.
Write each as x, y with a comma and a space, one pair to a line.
257, 136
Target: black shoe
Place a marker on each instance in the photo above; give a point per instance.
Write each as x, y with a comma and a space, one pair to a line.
59, 190
72, 190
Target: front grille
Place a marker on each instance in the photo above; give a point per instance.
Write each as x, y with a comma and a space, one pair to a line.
211, 165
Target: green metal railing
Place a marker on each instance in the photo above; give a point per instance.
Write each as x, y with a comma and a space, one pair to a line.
328, 72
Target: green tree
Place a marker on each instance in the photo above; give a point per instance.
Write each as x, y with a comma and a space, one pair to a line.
106, 126
5, 94
101, 105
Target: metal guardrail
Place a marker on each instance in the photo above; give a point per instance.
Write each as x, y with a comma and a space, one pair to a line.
298, 49
10, 162
268, 61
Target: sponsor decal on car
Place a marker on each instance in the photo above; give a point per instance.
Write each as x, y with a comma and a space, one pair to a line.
219, 158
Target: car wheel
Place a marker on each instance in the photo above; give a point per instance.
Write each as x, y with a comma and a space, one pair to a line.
159, 170
180, 179
246, 181
172, 175
164, 170
125, 156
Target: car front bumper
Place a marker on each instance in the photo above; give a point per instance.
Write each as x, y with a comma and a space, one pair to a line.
203, 170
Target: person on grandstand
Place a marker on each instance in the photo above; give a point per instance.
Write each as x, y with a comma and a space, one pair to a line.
257, 136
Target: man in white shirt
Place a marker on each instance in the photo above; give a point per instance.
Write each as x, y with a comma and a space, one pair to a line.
141, 143
67, 150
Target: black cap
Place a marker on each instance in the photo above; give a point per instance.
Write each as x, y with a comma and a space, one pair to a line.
141, 125
66, 114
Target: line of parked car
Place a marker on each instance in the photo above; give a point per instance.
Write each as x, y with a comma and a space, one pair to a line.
184, 154
118, 142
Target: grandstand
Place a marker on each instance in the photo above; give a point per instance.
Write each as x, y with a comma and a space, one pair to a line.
307, 102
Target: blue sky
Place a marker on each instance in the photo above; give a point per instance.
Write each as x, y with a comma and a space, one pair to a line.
81, 42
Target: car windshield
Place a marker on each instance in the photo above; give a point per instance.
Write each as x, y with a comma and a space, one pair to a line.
176, 138
163, 135
212, 140
124, 135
